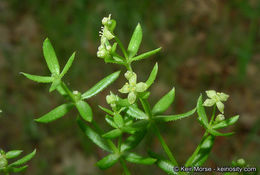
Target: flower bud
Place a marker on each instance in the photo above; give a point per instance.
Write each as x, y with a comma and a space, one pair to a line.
220, 118
241, 162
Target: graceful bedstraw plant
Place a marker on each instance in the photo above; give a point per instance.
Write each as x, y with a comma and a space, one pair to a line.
131, 116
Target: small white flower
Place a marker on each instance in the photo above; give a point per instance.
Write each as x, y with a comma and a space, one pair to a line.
216, 98
132, 88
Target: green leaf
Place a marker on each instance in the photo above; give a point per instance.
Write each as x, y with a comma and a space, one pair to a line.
119, 120
50, 57
216, 133
136, 113
202, 152
93, 135
163, 104
146, 54
20, 169
55, 114
55, 84
110, 121
12, 154
152, 76
201, 112
84, 110
166, 165
108, 161
167, 118
68, 65
24, 159
226, 123
132, 141
134, 158
101, 85
135, 41
112, 134
39, 79
106, 110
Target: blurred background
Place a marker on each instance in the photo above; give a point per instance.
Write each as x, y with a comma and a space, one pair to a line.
207, 44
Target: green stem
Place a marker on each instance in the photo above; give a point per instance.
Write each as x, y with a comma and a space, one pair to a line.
126, 171
213, 115
68, 91
121, 47
164, 145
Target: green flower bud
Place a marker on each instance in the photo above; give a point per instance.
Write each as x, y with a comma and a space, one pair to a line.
220, 118
112, 99
241, 162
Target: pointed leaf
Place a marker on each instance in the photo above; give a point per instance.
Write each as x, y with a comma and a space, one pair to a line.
164, 103
93, 136
166, 165
24, 159
167, 118
50, 57
84, 110
112, 134
101, 85
12, 154
152, 76
202, 152
55, 114
136, 113
68, 65
216, 133
118, 119
146, 54
110, 121
37, 78
135, 41
132, 141
54, 85
20, 169
134, 158
226, 123
201, 112
108, 161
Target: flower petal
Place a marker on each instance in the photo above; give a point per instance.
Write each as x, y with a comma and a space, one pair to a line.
220, 106
132, 79
223, 96
125, 89
209, 102
131, 97
211, 93
141, 87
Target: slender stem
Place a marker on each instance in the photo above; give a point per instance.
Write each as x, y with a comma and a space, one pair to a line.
213, 115
68, 91
164, 145
121, 47
119, 143
126, 171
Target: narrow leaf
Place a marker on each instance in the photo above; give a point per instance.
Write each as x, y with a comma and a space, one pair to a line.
112, 134
55, 114
135, 41
37, 78
136, 113
118, 119
110, 121
50, 57
68, 65
132, 141
93, 135
226, 123
54, 85
24, 159
108, 161
134, 158
163, 104
202, 152
146, 54
152, 76
101, 85
84, 110
167, 118
106, 110
12, 154
20, 169
201, 112
216, 133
